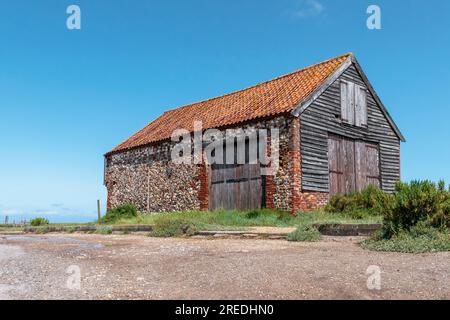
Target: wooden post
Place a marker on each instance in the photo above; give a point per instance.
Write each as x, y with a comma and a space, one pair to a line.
148, 190
99, 212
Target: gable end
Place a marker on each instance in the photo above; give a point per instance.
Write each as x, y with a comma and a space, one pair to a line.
299, 109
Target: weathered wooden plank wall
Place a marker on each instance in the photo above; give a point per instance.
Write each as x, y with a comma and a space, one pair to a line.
324, 117
353, 164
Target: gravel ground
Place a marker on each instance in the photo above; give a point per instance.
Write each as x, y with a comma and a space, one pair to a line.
139, 267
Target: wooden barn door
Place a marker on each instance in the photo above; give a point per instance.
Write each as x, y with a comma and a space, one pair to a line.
368, 165
235, 187
353, 165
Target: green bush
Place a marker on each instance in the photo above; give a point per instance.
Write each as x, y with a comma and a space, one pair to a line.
36, 222
167, 227
369, 201
442, 217
358, 214
415, 219
124, 211
411, 203
340, 203
416, 202
305, 234
421, 229
373, 198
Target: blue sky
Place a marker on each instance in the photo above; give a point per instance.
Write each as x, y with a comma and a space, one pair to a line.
69, 96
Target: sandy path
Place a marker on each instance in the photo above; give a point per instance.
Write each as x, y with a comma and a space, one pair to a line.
139, 267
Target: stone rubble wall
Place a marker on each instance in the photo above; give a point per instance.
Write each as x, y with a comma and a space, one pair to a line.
146, 178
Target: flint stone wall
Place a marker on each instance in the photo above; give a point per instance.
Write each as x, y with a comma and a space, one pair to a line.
146, 177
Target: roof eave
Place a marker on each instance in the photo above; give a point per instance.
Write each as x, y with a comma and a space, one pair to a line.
222, 127
305, 103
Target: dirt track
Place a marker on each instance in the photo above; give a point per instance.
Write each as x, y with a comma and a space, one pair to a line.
139, 267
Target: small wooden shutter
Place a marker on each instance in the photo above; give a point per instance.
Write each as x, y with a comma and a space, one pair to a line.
348, 102
360, 106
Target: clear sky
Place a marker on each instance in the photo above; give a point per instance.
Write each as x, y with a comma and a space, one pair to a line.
69, 96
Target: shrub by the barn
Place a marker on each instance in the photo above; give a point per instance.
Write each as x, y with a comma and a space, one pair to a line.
370, 201
36, 222
415, 219
416, 202
125, 211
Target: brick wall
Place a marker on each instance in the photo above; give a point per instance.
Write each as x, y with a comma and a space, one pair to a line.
203, 194
295, 172
313, 200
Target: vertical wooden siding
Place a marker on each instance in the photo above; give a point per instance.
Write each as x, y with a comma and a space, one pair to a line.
323, 117
235, 187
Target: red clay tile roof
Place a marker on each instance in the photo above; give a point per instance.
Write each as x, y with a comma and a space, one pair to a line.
269, 98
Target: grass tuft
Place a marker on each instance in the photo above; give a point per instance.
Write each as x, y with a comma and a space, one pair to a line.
42, 230
125, 211
103, 230
166, 227
305, 234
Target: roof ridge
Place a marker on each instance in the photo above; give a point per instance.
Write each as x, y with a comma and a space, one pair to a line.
260, 83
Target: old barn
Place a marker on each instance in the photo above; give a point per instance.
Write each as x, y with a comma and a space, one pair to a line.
335, 136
